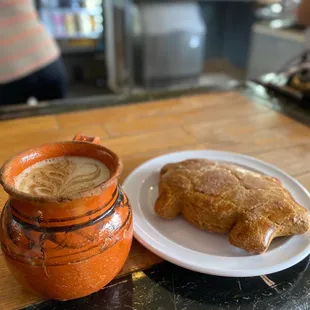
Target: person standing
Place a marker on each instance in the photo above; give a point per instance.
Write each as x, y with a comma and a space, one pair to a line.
30, 61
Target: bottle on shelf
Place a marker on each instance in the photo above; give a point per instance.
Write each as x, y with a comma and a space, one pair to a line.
58, 23
85, 25
70, 24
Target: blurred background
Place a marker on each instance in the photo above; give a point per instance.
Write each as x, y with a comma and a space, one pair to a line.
124, 46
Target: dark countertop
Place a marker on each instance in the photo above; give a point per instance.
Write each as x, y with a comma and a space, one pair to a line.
101, 101
297, 110
167, 286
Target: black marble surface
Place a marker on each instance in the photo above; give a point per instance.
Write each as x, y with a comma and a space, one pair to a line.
166, 286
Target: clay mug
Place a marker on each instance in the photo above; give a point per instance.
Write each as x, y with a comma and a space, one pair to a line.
65, 247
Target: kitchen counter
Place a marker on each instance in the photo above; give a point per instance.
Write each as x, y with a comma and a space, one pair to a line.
237, 121
271, 49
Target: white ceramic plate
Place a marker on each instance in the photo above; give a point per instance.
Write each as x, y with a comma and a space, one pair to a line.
185, 245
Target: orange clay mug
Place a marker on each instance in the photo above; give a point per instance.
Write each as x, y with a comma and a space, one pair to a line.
64, 248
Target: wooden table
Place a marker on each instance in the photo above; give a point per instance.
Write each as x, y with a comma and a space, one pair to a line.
226, 121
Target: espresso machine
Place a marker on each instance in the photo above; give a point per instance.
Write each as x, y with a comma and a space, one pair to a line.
153, 44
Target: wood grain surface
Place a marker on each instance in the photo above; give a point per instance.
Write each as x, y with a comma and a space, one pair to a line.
138, 132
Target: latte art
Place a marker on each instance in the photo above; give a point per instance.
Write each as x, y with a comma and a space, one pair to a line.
62, 176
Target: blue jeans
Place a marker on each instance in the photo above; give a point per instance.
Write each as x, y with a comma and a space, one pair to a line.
45, 84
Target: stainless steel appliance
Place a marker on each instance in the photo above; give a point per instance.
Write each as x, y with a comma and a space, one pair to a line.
153, 44
169, 48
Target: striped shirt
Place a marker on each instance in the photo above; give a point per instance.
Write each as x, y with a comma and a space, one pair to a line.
25, 45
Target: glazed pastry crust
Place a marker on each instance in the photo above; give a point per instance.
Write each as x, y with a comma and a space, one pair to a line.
223, 198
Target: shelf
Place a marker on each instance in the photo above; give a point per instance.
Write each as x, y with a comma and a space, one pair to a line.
89, 11
286, 34
78, 36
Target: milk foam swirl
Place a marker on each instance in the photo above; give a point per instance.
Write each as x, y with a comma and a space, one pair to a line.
62, 176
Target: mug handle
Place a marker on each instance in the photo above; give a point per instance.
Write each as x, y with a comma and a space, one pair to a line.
83, 138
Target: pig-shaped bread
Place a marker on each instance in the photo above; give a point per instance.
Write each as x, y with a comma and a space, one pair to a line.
223, 198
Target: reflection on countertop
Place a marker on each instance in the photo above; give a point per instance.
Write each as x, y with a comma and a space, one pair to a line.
167, 286
89, 100
251, 89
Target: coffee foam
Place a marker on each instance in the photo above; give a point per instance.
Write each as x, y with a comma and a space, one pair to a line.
62, 176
